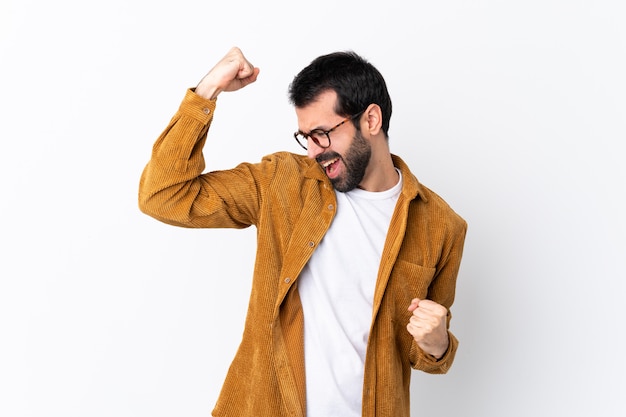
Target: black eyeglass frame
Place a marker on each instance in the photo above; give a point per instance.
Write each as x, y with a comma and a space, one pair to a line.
306, 136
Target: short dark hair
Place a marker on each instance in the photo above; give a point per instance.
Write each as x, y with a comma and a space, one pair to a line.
356, 82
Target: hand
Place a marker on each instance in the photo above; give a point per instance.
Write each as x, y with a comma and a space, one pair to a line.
231, 73
428, 326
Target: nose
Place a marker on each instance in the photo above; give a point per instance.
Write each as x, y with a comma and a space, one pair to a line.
313, 149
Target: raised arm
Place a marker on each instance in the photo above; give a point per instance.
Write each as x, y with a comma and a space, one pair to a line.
173, 188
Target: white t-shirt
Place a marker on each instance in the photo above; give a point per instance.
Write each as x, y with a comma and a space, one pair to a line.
337, 289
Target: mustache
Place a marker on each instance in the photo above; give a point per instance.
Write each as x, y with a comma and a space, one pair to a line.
327, 157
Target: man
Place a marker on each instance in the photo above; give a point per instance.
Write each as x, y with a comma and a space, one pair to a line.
356, 260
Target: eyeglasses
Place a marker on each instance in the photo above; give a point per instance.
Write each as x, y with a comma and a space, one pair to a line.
320, 137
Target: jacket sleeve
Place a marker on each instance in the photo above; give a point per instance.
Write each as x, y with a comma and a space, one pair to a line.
173, 188
442, 291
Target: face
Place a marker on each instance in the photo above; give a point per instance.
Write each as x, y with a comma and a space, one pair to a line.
346, 159
347, 171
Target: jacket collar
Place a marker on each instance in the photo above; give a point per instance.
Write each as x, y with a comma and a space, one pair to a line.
314, 170
411, 187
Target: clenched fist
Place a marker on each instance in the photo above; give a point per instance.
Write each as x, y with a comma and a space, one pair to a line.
231, 73
428, 326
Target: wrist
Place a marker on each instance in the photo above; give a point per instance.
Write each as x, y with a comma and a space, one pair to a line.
206, 91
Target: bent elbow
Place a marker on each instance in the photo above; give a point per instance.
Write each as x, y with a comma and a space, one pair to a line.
148, 205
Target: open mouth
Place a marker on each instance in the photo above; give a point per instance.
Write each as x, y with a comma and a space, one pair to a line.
330, 166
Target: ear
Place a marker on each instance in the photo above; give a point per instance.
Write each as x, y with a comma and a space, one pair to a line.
373, 119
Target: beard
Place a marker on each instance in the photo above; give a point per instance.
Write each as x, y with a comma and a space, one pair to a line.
355, 162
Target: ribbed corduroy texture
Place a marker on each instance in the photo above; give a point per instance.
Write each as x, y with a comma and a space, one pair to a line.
291, 202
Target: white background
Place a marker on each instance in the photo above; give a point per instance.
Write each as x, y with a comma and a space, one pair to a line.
513, 111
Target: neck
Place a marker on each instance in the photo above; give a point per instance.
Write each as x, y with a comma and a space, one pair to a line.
381, 175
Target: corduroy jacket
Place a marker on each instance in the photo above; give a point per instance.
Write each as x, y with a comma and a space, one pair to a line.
291, 202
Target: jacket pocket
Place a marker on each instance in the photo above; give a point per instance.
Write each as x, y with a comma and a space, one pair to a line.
407, 281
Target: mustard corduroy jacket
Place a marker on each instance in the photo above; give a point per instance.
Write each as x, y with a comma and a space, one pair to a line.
291, 202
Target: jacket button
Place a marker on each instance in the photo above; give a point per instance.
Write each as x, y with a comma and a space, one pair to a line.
311, 244
330, 207
287, 280
206, 110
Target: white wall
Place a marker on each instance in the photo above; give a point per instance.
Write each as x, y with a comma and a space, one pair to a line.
514, 111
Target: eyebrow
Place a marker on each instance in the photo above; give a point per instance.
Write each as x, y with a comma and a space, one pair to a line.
319, 128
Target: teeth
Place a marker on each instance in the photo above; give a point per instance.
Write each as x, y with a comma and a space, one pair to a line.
325, 164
